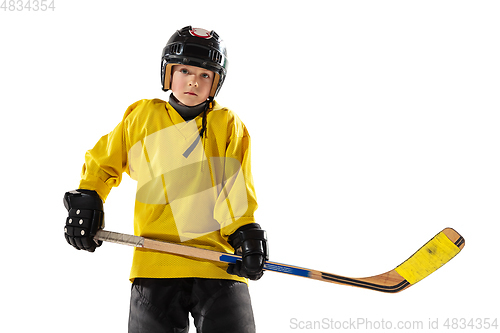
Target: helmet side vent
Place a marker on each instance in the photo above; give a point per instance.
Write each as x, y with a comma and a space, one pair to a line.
214, 35
176, 48
215, 56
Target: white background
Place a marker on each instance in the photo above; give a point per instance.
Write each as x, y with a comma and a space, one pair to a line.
374, 124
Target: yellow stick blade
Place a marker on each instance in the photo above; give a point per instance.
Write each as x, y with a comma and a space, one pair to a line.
437, 252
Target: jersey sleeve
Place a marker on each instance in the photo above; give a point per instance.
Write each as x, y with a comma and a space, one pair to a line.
106, 162
236, 203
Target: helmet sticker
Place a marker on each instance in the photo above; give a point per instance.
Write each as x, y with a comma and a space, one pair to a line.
199, 32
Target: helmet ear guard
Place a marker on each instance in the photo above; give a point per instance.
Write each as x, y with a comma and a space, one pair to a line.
195, 47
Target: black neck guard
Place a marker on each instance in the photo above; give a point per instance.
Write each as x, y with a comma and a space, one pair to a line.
187, 112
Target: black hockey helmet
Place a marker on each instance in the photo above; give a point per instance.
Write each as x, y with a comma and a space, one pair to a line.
195, 47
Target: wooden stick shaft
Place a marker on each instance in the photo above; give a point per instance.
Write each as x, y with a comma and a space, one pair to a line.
389, 282
162, 246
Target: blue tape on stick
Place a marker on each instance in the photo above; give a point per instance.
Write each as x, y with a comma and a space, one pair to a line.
228, 259
286, 269
271, 266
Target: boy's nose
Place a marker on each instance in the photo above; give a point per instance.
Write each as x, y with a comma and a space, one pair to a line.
193, 83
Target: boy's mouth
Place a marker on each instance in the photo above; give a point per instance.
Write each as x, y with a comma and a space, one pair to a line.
190, 93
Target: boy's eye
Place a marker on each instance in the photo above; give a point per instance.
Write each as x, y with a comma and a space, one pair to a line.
184, 71
205, 75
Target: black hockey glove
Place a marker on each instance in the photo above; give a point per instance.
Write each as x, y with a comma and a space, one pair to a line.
250, 242
85, 218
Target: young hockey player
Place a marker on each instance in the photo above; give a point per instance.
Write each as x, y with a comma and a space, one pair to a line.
191, 160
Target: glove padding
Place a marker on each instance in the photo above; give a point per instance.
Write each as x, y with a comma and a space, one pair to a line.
249, 241
85, 218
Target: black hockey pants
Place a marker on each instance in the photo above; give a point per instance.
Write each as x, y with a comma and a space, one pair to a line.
163, 305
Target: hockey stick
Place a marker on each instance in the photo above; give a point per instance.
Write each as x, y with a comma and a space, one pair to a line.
434, 254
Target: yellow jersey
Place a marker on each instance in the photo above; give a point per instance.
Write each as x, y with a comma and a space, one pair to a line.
190, 190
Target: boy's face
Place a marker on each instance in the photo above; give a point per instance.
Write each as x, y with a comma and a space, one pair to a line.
191, 85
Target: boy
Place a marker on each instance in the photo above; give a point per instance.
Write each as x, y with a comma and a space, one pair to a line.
191, 160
